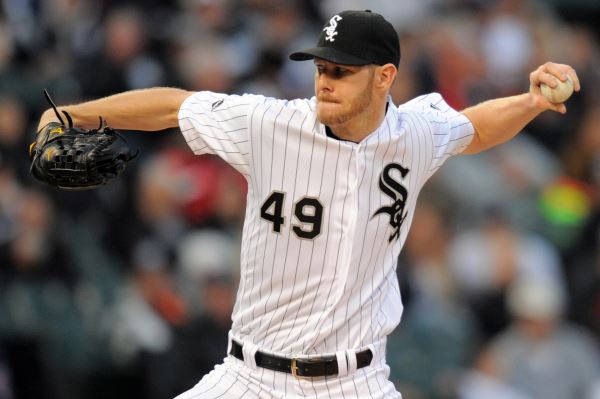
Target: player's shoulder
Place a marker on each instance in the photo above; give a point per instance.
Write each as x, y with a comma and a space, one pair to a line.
222, 100
430, 108
288, 110
215, 102
426, 103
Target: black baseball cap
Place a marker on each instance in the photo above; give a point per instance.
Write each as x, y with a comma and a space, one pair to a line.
355, 38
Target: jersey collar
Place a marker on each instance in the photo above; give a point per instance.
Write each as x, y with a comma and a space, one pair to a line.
391, 118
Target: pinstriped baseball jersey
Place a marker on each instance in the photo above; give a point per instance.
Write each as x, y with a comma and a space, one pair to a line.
325, 218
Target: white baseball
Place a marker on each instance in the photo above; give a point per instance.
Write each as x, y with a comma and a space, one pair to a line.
560, 93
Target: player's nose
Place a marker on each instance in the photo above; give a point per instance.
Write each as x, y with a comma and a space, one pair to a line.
322, 83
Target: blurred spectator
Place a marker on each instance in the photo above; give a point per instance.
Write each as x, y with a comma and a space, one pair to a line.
6, 47
438, 334
201, 191
487, 260
147, 306
13, 137
211, 48
22, 18
140, 324
425, 270
175, 192
124, 63
410, 15
507, 46
35, 250
155, 212
455, 63
508, 177
201, 72
568, 203
208, 264
582, 153
415, 72
584, 276
477, 384
204, 254
539, 353
10, 190
230, 209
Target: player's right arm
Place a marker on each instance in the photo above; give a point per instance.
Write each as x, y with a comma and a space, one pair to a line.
497, 121
147, 110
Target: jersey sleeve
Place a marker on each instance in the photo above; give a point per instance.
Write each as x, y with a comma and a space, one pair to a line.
214, 123
450, 130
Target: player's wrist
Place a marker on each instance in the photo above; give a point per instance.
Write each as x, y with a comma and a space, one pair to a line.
47, 117
535, 101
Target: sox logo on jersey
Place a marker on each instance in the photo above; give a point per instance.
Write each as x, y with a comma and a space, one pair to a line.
325, 222
398, 193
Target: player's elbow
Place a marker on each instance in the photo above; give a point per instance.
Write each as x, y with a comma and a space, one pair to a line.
173, 100
476, 145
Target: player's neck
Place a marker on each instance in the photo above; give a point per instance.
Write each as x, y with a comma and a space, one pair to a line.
359, 127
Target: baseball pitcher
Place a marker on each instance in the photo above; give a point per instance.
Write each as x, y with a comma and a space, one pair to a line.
332, 187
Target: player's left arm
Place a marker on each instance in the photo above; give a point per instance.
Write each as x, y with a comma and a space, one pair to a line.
499, 120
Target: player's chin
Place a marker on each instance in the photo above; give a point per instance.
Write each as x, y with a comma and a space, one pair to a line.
328, 111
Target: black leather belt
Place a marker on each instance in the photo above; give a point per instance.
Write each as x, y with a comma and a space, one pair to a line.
319, 367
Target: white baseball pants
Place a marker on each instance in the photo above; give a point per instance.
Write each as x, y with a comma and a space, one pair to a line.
235, 378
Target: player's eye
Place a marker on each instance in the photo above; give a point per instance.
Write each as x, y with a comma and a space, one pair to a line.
334, 72
340, 72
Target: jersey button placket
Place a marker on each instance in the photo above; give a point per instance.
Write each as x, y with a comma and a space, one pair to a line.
353, 203
349, 216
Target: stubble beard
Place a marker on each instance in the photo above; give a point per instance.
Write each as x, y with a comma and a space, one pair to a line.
355, 109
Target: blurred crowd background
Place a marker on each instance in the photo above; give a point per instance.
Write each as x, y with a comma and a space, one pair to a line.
126, 291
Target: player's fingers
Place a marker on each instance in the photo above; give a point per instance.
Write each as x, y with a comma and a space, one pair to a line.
564, 71
542, 76
561, 71
573, 74
557, 70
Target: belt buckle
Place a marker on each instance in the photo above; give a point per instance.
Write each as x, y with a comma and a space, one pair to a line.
294, 367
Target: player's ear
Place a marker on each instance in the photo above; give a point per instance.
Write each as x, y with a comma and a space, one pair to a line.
386, 75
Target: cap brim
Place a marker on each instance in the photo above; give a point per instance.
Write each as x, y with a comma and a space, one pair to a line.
328, 54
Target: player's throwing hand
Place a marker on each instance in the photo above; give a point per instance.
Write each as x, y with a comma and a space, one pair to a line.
554, 76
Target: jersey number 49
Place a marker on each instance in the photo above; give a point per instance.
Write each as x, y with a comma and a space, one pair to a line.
308, 211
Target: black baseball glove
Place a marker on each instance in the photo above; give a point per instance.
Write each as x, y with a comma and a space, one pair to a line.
72, 158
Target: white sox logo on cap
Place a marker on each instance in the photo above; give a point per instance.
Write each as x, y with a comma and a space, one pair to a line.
331, 29
363, 38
